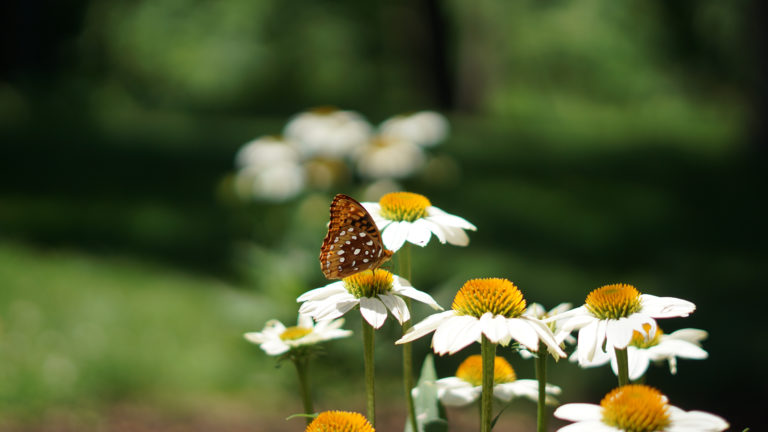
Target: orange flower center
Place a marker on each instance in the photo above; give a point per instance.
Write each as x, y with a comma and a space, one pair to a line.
635, 408
339, 421
614, 301
471, 370
496, 295
404, 206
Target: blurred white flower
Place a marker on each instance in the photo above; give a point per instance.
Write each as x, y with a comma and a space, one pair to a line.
328, 132
466, 386
278, 182
389, 158
424, 128
277, 339
266, 151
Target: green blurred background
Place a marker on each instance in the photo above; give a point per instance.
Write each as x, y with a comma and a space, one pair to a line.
592, 142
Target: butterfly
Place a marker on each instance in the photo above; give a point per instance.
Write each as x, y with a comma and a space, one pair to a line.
353, 243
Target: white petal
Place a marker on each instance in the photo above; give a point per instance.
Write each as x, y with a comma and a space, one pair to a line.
275, 347
442, 218
579, 412
695, 421
255, 337
666, 307
587, 343
322, 292
456, 333
436, 229
688, 334
677, 348
395, 234
373, 311
459, 396
305, 321
522, 332
455, 236
334, 310
637, 362
397, 306
426, 326
494, 327
419, 233
589, 426
618, 333
545, 335
417, 295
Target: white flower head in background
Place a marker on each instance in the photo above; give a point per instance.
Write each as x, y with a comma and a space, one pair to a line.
277, 339
278, 182
612, 313
266, 151
389, 158
423, 128
538, 311
636, 407
374, 291
269, 170
490, 307
406, 216
466, 386
328, 132
684, 343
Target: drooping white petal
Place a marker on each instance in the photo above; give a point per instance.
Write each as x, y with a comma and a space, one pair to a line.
579, 412
419, 233
394, 235
689, 334
275, 347
494, 327
589, 426
397, 306
322, 292
695, 421
455, 334
545, 335
426, 326
305, 321
677, 348
618, 333
442, 218
436, 229
587, 342
455, 236
326, 307
454, 391
374, 311
417, 295
521, 331
666, 307
637, 363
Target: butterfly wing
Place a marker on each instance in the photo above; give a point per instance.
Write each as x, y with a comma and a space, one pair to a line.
353, 242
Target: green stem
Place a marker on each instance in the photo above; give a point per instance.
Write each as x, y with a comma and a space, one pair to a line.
541, 375
369, 371
488, 353
302, 366
623, 362
405, 272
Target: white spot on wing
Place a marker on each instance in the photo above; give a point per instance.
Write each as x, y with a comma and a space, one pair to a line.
341, 252
362, 234
357, 251
341, 259
369, 243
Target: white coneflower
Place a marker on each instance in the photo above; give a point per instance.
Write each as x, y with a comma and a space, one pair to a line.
612, 313
411, 217
492, 307
374, 291
277, 339
638, 408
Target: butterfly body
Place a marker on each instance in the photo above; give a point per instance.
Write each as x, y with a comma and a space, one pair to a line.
353, 243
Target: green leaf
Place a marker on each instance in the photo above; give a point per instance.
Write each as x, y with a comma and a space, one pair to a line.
430, 413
